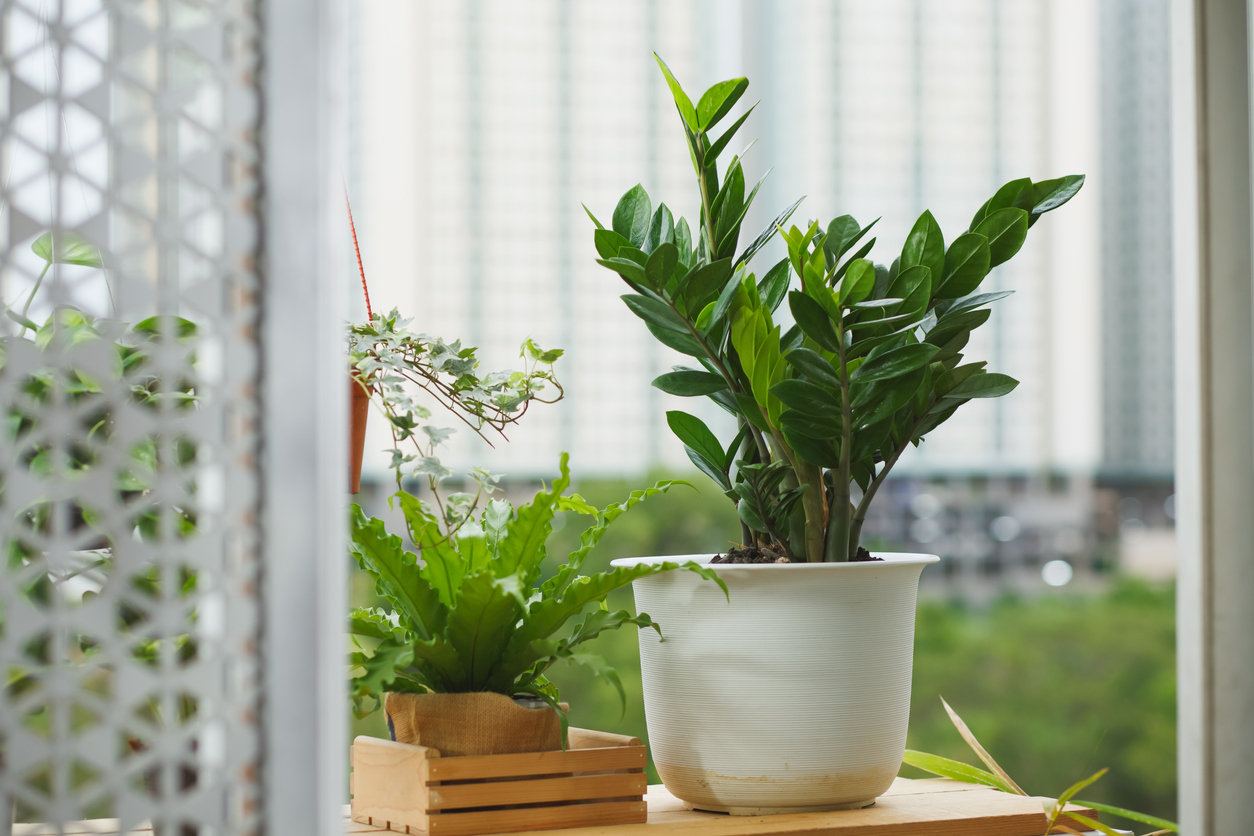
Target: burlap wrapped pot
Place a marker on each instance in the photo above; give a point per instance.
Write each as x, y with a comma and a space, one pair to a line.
472, 724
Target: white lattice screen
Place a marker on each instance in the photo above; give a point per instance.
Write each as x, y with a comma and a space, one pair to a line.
129, 495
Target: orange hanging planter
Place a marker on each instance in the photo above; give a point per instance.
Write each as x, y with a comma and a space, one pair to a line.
359, 411
359, 391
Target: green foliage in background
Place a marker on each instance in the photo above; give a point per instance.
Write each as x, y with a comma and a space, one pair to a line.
1053, 686
873, 363
1057, 687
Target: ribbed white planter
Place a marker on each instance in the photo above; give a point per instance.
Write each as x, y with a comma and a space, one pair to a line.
794, 695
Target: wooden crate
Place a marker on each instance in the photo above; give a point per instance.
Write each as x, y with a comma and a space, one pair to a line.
599, 779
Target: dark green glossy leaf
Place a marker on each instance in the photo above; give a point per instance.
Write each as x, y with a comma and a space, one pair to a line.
688, 384
1006, 230
749, 516
1006, 197
806, 397
683, 240
966, 264
681, 341
661, 266
937, 416
972, 302
814, 366
774, 285
897, 320
825, 426
751, 411
816, 451
925, 246
661, 229
858, 282
913, 286
792, 339
631, 272
813, 320
632, 215
725, 297
950, 351
984, 385
894, 363
693, 432
729, 200
729, 235
609, 242
950, 326
879, 400
705, 281
656, 313
868, 440
841, 231
1048, 195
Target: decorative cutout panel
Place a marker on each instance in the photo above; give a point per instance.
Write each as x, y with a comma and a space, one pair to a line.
129, 594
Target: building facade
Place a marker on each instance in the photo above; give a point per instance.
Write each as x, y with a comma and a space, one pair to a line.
484, 125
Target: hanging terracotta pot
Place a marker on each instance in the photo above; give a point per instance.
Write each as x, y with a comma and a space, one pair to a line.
359, 399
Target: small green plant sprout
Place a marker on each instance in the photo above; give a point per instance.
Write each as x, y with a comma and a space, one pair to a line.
395, 364
475, 613
998, 779
872, 364
55, 248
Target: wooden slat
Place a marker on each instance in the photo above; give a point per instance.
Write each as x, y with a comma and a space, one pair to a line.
390, 783
537, 763
572, 788
587, 739
543, 818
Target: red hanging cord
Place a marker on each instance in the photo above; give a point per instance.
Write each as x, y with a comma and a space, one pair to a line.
365, 290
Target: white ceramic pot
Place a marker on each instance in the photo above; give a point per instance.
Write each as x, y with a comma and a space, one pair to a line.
794, 695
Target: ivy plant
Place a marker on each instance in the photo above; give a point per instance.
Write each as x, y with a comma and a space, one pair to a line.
406, 373
871, 362
475, 613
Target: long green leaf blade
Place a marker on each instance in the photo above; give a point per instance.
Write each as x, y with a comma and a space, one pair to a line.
956, 770
1143, 818
980, 750
397, 574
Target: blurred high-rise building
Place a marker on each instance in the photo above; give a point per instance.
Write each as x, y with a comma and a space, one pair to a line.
1137, 417
483, 125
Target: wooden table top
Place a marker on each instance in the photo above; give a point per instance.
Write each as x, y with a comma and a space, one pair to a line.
911, 807
932, 806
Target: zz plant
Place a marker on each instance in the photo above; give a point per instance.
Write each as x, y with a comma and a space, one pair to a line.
476, 613
872, 364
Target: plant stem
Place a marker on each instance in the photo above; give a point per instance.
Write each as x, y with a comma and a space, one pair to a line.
859, 515
804, 473
35, 290
707, 204
840, 539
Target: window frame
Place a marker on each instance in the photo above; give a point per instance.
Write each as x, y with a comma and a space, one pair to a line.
1214, 364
